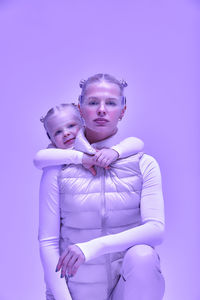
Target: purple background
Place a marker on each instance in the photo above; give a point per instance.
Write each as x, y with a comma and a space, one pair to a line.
46, 48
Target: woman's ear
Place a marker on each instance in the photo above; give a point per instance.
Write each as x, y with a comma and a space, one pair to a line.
122, 112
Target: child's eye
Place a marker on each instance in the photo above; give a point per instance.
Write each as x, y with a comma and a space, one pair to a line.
57, 132
71, 125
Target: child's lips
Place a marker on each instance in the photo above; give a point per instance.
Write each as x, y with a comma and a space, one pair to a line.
69, 141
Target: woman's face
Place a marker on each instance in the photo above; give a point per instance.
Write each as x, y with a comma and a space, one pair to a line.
63, 128
101, 108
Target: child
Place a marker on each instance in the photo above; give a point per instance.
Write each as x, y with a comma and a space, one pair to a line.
62, 124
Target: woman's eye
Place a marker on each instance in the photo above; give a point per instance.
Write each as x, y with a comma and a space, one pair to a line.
111, 103
92, 103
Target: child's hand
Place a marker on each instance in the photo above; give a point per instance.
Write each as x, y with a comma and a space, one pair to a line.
88, 163
104, 157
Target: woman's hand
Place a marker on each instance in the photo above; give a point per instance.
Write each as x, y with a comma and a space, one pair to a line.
104, 157
70, 260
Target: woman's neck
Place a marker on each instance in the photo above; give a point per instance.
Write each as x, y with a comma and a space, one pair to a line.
94, 137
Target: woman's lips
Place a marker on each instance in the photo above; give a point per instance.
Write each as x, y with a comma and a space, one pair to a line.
101, 121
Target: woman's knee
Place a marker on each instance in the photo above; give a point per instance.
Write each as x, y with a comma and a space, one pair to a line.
141, 272
140, 255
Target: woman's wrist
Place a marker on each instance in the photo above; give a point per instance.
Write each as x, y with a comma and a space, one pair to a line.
92, 248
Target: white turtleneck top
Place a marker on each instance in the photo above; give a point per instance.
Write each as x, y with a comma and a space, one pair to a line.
152, 212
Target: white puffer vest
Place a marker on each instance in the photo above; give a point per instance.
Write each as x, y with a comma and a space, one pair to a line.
94, 206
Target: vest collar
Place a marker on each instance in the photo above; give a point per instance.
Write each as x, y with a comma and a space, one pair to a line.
82, 144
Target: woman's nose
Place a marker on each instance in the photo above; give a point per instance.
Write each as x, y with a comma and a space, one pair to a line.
101, 109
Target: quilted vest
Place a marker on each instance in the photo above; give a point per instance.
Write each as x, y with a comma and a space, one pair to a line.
94, 206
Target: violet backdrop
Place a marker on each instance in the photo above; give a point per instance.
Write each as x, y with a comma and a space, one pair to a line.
46, 48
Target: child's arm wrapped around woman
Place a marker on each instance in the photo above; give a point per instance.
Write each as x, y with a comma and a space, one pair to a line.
54, 156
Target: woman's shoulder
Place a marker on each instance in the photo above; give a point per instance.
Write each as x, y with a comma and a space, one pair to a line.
148, 157
148, 163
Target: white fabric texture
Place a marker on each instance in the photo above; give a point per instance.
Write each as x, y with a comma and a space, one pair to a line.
49, 223
151, 232
54, 156
48, 235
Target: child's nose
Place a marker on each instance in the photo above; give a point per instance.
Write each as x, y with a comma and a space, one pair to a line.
66, 132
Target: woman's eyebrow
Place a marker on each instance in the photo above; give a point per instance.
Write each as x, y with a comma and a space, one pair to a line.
111, 98
92, 98
96, 98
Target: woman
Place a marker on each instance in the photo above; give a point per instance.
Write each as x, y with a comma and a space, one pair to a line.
110, 223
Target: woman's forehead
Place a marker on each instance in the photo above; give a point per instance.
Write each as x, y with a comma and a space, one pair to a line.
103, 88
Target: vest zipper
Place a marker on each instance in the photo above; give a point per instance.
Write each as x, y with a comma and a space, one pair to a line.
104, 230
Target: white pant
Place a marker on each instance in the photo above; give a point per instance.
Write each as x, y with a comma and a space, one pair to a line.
141, 277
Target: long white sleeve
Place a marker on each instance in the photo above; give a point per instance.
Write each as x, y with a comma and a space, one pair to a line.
54, 157
129, 146
151, 232
48, 233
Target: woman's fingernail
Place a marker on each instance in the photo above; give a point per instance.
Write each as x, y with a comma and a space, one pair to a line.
61, 276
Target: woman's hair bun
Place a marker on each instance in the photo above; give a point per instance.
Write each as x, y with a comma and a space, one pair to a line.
123, 83
82, 82
42, 119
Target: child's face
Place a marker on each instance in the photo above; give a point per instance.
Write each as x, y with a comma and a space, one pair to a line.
63, 128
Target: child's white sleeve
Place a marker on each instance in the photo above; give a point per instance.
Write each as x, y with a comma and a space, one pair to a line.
48, 234
54, 157
129, 146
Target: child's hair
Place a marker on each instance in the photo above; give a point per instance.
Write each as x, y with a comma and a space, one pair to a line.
100, 78
58, 108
